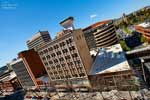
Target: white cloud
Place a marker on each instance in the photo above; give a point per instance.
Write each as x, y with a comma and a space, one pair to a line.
93, 16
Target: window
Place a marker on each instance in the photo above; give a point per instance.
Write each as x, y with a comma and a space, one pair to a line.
45, 51
55, 61
62, 44
53, 67
58, 66
71, 48
79, 36
61, 59
65, 51
50, 62
45, 63
63, 65
48, 68
48, 56
58, 53
70, 63
56, 46
82, 74
41, 53
55, 72
53, 55
77, 62
69, 41
44, 58
52, 78
51, 73
67, 57
75, 55
50, 49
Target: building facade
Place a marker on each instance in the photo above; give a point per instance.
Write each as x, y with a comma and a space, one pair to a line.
111, 70
25, 79
100, 34
67, 56
38, 40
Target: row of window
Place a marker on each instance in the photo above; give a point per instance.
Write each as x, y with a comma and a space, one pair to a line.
75, 55
56, 46
67, 76
59, 52
77, 62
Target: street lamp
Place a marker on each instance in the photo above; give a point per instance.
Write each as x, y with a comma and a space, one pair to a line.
143, 71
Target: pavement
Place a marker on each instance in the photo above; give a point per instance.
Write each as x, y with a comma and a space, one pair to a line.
111, 95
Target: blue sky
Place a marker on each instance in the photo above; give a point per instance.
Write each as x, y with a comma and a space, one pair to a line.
21, 19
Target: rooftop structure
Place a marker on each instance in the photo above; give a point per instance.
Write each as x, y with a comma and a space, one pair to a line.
67, 23
110, 59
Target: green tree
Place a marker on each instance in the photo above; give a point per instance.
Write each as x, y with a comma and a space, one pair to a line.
124, 46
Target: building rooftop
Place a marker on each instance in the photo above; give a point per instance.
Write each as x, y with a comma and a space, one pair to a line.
109, 59
38, 34
97, 24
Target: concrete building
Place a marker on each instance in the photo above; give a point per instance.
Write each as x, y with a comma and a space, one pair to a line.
111, 70
38, 40
67, 56
25, 79
28, 68
100, 34
144, 29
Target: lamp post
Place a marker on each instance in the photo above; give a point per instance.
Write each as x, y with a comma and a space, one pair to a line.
143, 71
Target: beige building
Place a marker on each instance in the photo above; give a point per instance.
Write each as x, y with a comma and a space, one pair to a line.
38, 40
67, 56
